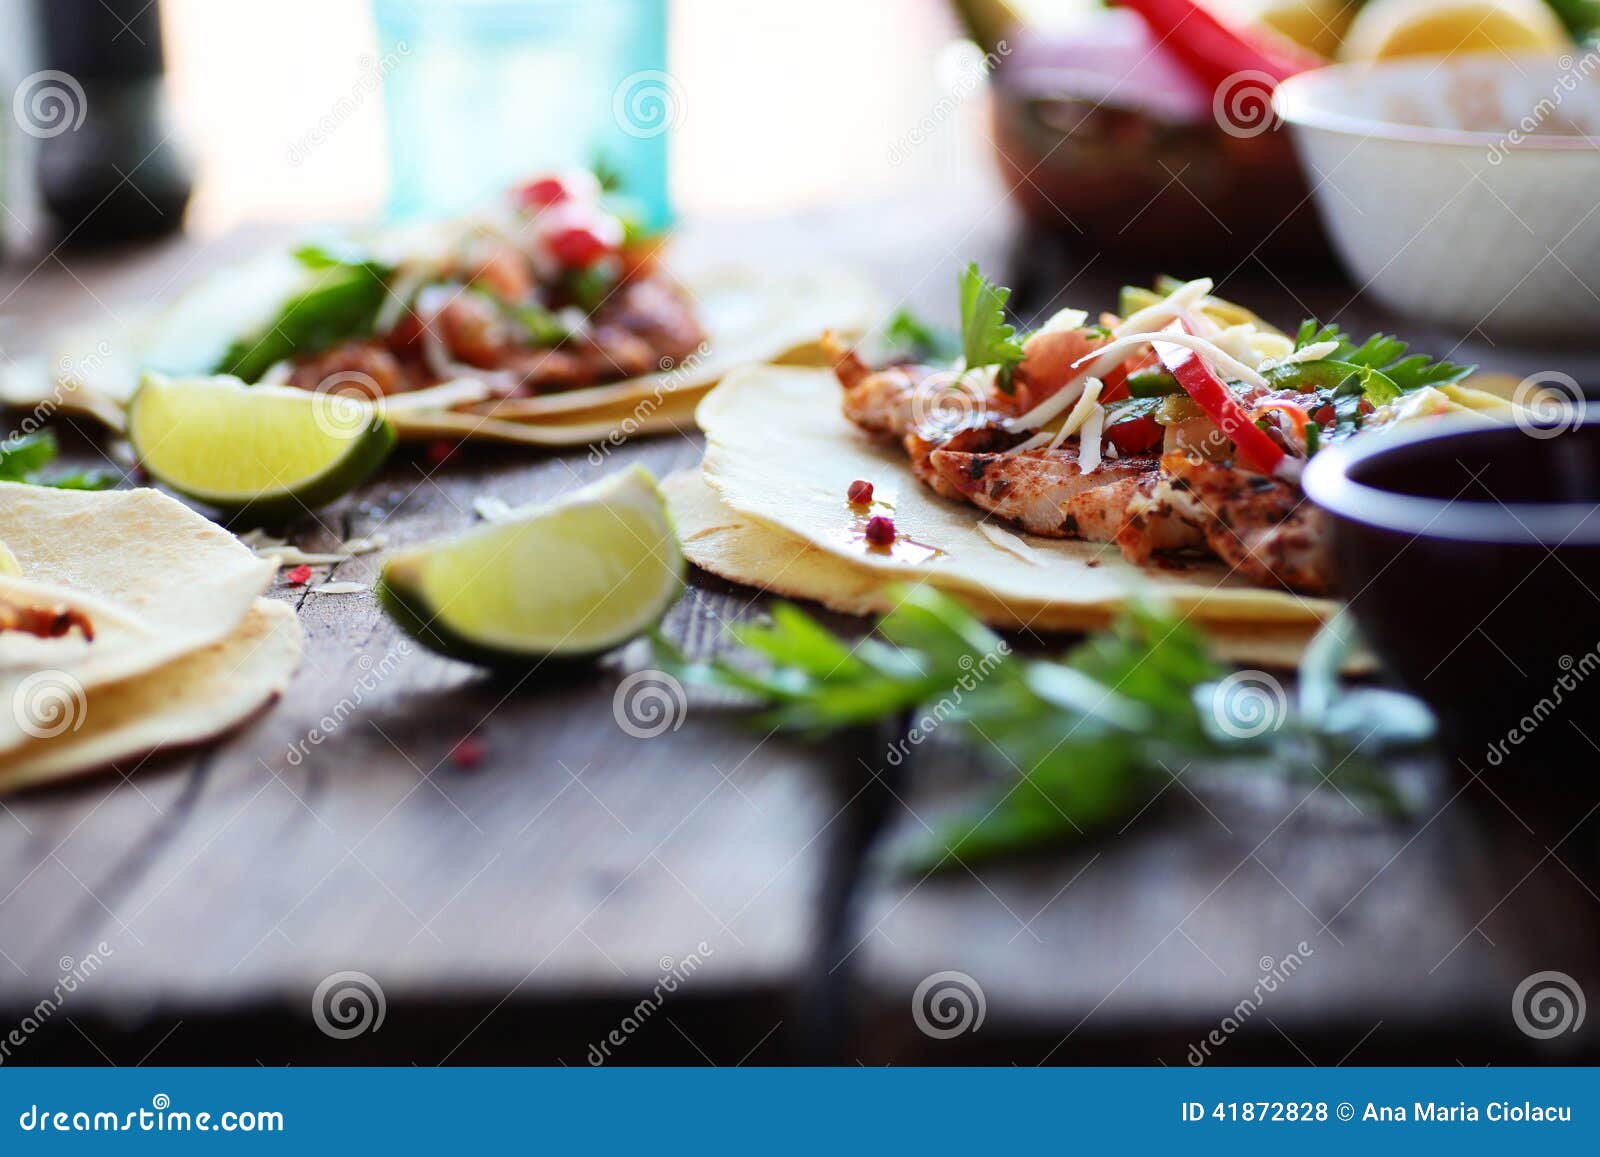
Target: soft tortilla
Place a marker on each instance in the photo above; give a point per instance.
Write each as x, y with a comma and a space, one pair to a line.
171, 582
780, 451
191, 699
747, 318
735, 547
612, 424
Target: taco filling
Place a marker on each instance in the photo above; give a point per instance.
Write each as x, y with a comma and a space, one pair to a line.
554, 289
48, 621
1179, 424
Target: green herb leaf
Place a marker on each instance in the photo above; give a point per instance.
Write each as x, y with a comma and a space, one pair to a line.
1582, 18
23, 457
1386, 370
914, 340
987, 339
343, 302
1087, 741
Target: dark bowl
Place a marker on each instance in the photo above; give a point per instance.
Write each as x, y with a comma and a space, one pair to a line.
1102, 138
1471, 559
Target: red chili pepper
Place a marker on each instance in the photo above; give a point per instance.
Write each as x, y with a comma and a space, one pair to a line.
299, 576
1221, 406
1135, 434
1216, 52
860, 493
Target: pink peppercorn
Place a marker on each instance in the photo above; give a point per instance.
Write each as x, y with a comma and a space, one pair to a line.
860, 493
880, 530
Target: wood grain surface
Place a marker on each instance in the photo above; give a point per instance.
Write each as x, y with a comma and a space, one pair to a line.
522, 909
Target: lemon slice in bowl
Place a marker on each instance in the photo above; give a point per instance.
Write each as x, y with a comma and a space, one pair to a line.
262, 452
577, 577
1389, 28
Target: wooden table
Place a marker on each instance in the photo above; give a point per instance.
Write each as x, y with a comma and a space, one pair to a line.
523, 909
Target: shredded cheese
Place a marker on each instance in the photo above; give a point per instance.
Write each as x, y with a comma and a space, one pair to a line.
1008, 542
491, 509
1088, 402
1089, 440
1064, 319
338, 589
1219, 358
1179, 301
1314, 352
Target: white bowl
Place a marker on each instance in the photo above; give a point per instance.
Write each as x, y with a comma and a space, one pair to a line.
1463, 191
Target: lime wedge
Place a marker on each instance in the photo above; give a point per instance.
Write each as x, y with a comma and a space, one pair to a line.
577, 577
266, 451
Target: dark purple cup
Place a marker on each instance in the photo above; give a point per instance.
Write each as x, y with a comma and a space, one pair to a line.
1470, 556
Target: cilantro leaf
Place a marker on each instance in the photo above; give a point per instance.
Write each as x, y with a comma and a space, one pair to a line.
987, 339
912, 338
24, 456
343, 302
1582, 18
1094, 737
1382, 363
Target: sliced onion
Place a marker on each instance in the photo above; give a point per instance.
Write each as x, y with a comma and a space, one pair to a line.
1219, 358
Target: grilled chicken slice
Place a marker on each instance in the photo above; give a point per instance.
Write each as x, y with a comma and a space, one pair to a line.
1046, 493
1262, 527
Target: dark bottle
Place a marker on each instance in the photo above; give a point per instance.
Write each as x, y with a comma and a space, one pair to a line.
110, 166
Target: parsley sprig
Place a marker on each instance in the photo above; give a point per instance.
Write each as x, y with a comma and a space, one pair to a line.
343, 302
987, 339
1077, 744
1381, 364
24, 457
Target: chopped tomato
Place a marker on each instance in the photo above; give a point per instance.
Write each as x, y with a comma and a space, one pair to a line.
542, 192
1047, 359
1297, 417
1134, 435
299, 576
579, 235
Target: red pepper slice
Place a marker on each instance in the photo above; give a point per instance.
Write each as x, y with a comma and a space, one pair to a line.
1215, 51
1221, 406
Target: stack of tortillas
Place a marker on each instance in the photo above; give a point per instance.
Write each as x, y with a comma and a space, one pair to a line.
768, 508
184, 647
